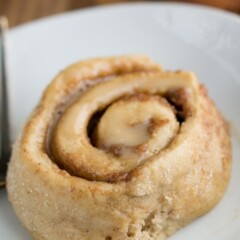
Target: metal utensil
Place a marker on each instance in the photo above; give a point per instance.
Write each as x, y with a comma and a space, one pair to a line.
5, 145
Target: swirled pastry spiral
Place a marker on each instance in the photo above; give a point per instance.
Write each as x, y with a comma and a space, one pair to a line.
119, 149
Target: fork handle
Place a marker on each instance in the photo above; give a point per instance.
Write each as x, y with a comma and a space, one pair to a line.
4, 110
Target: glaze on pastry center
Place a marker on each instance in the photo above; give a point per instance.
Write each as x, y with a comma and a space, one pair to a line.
136, 127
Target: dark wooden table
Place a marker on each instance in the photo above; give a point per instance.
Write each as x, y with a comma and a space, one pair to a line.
20, 11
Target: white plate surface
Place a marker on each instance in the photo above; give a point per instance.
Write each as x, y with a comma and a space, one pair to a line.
201, 39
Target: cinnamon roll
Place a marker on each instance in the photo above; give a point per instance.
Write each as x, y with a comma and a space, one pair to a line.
119, 149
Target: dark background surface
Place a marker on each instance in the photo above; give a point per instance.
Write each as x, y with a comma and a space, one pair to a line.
21, 11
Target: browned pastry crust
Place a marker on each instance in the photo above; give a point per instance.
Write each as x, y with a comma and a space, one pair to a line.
118, 149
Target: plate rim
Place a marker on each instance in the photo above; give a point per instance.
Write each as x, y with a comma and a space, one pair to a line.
230, 16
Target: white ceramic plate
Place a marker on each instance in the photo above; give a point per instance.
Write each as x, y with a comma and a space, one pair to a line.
201, 39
